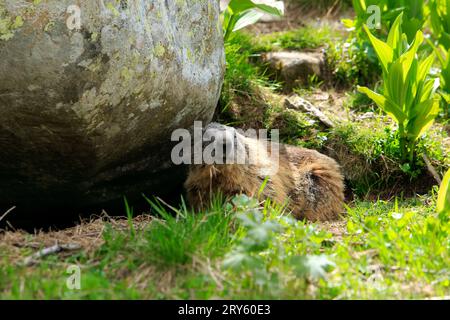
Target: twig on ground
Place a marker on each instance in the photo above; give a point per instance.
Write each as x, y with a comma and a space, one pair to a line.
431, 169
30, 260
6, 213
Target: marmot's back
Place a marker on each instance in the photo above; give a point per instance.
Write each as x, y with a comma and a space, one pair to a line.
309, 181
318, 192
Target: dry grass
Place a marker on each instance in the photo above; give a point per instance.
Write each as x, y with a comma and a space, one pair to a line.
88, 236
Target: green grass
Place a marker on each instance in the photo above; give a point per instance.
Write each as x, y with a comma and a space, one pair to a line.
242, 78
250, 250
308, 37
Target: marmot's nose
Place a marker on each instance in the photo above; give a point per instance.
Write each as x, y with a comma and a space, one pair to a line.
220, 142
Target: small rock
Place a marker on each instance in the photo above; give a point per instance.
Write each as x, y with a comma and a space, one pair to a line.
293, 67
297, 103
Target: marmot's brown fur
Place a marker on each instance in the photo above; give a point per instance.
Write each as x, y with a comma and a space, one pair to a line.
309, 181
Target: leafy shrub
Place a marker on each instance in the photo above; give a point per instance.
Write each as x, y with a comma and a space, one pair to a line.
389, 10
440, 21
408, 93
360, 65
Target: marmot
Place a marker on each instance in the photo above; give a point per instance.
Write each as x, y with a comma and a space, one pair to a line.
310, 182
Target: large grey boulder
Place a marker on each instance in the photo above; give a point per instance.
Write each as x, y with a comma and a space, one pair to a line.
87, 111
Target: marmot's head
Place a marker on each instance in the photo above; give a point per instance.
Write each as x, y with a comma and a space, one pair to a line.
222, 144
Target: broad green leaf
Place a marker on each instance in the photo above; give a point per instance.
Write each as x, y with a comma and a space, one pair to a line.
411, 85
445, 73
443, 202
411, 26
384, 52
427, 90
377, 98
395, 111
395, 34
445, 39
386, 105
238, 6
435, 19
247, 18
425, 66
396, 84
446, 98
423, 118
409, 56
241, 13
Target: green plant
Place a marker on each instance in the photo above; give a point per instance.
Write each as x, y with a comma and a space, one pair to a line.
440, 25
353, 63
444, 61
261, 259
362, 14
361, 66
440, 21
242, 13
356, 61
443, 203
409, 93
414, 15
389, 10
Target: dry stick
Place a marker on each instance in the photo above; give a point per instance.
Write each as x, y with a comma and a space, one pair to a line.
6, 213
49, 251
431, 169
330, 11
